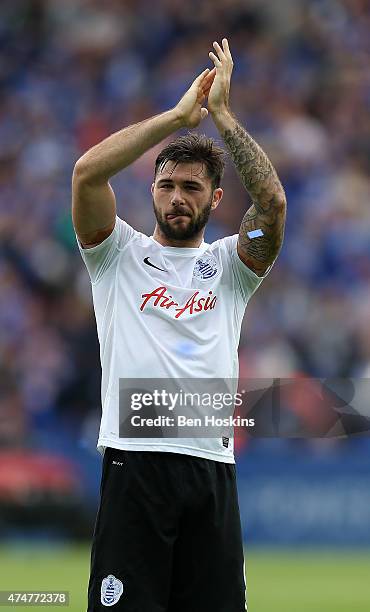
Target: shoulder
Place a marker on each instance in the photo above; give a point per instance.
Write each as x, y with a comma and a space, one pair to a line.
226, 249
226, 245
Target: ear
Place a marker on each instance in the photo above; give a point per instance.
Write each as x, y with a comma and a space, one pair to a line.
217, 196
152, 188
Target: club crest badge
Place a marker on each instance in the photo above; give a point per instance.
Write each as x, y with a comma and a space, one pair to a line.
111, 590
206, 268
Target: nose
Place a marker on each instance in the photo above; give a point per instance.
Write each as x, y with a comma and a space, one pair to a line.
177, 197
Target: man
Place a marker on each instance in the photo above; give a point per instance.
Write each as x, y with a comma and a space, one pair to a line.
167, 536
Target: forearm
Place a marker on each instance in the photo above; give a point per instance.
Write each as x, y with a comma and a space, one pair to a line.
119, 150
266, 216
257, 173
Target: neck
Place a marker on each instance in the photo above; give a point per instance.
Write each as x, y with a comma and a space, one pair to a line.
191, 243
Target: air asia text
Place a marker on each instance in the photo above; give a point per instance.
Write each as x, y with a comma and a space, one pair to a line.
194, 303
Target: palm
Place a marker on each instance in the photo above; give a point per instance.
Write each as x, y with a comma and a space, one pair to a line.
190, 105
218, 94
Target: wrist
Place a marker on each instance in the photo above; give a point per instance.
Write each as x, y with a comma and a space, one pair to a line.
222, 117
220, 112
178, 118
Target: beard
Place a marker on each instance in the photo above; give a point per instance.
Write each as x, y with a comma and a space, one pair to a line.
192, 229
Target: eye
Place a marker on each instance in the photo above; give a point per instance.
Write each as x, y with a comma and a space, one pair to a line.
165, 186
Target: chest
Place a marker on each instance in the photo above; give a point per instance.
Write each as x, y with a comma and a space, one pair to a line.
173, 286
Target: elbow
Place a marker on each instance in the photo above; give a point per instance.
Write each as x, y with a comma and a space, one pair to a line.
87, 173
81, 170
280, 200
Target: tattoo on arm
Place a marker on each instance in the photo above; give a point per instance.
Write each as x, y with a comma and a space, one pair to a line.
269, 204
259, 253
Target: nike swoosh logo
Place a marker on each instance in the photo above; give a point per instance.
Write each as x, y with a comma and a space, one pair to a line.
148, 263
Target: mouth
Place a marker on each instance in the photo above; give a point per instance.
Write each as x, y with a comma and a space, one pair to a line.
170, 217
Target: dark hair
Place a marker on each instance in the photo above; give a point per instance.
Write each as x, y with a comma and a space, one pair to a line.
194, 148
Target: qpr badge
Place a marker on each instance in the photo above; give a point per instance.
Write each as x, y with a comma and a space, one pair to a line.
111, 590
205, 268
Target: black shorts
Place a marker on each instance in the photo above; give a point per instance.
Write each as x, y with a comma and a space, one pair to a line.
167, 535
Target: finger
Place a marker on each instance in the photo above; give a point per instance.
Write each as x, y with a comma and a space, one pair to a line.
210, 76
214, 59
201, 76
226, 48
220, 52
207, 82
203, 113
206, 85
201, 97
206, 91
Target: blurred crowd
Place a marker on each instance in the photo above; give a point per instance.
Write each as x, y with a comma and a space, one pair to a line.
72, 72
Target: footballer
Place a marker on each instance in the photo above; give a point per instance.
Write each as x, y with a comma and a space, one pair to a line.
170, 306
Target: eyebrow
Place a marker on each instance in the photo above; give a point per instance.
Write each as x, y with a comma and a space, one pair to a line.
186, 182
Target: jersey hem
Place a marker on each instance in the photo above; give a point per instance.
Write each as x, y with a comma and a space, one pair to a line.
165, 448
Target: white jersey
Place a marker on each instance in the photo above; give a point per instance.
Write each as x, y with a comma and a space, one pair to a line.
166, 312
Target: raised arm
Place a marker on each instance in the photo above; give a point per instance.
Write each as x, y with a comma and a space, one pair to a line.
262, 228
93, 200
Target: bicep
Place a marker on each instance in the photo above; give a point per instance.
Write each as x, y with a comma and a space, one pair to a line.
261, 234
93, 209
